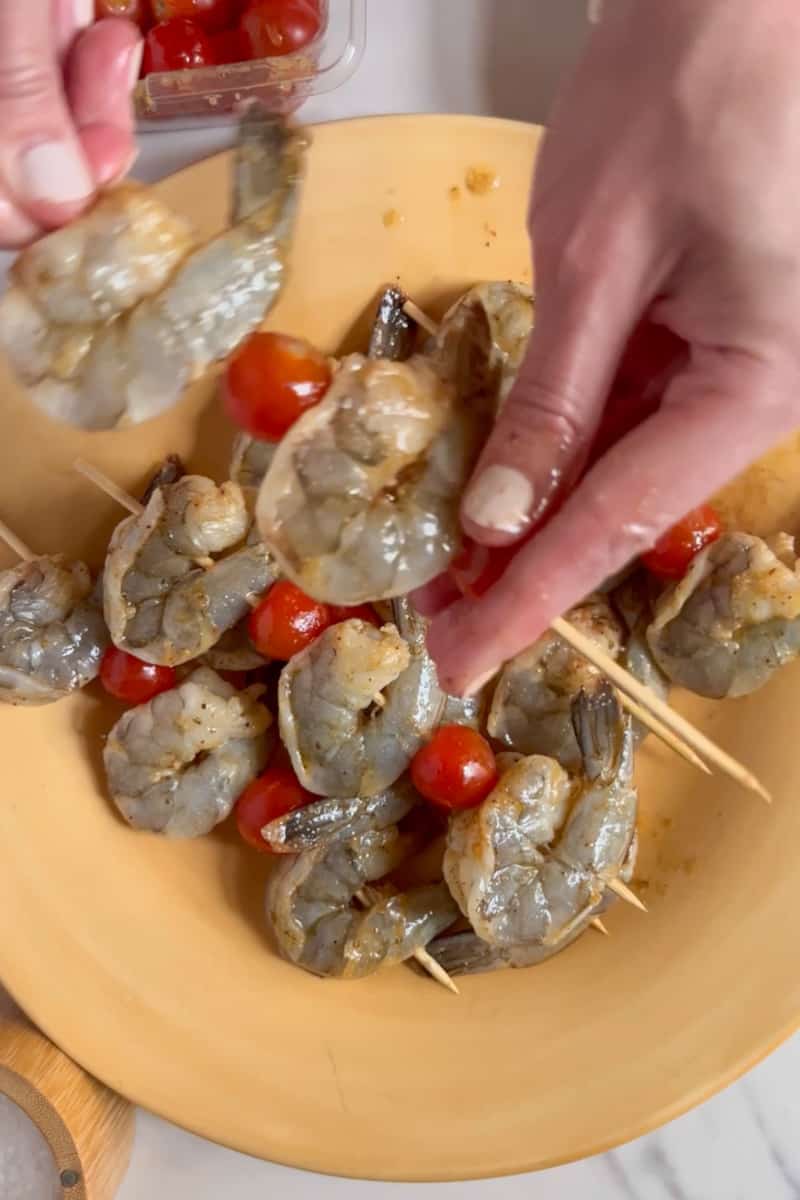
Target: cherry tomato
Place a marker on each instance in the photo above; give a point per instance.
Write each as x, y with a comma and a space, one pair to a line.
286, 621
271, 381
276, 792
456, 769
674, 551
176, 46
358, 612
230, 47
276, 27
129, 679
213, 15
133, 10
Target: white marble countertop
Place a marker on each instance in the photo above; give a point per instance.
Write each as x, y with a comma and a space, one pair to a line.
502, 58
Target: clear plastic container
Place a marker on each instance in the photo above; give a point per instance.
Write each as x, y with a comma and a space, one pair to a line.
208, 96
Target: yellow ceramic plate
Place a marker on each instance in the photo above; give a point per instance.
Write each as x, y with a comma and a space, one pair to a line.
148, 961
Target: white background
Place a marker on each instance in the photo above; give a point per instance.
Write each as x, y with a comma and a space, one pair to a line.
502, 57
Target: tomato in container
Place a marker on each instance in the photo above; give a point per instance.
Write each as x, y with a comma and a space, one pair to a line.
177, 46
132, 10
273, 28
212, 15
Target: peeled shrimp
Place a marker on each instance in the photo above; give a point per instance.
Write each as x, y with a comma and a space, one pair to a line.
52, 633
529, 866
531, 709
361, 500
250, 460
733, 619
482, 339
159, 604
177, 764
355, 707
343, 845
108, 320
234, 652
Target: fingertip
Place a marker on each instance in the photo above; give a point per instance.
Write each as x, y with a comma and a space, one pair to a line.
110, 152
435, 596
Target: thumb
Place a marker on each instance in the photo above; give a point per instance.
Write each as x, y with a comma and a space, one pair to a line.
542, 437
42, 163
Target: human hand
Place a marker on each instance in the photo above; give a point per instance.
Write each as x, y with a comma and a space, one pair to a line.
667, 188
66, 125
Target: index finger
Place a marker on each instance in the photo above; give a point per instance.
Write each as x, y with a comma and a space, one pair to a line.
719, 415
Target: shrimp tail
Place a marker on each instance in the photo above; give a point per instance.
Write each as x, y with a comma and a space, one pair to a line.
267, 167
394, 331
603, 734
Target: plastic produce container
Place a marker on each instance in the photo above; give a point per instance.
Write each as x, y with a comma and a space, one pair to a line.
208, 96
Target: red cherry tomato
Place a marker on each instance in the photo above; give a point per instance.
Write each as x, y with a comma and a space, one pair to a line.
129, 679
230, 47
358, 612
272, 795
176, 46
456, 769
213, 15
133, 10
672, 553
277, 27
286, 621
271, 380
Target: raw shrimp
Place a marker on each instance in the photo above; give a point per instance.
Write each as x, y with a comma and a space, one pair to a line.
530, 865
394, 332
531, 709
159, 604
361, 500
234, 652
250, 460
311, 898
355, 707
482, 339
177, 764
109, 319
733, 619
52, 633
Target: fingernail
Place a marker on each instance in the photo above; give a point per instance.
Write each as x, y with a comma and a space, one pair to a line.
476, 685
501, 498
55, 172
135, 64
83, 13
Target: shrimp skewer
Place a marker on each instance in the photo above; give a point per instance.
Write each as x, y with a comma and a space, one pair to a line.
529, 866
167, 600
177, 764
109, 319
52, 634
342, 846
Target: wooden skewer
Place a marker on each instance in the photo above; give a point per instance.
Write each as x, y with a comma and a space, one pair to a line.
422, 318
660, 730
685, 739
102, 481
597, 924
624, 892
654, 704
16, 544
368, 896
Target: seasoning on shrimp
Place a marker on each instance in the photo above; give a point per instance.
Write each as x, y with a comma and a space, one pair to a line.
733, 619
355, 707
531, 709
52, 633
110, 318
483, 338
361, 500
529, 867
159, 603
177, 764
342, 845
